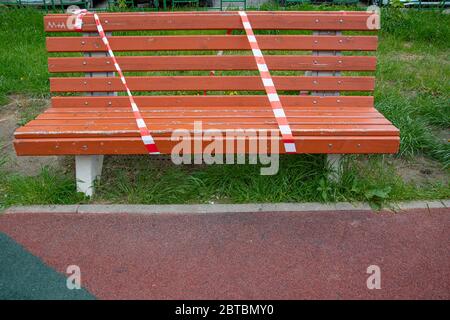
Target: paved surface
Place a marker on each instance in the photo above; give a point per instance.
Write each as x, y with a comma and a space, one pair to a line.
265, 255
24, 276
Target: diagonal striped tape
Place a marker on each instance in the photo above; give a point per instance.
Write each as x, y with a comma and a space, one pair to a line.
146, 137
272, 95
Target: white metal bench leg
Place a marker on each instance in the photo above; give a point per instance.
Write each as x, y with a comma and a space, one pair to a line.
88, 169
334, 162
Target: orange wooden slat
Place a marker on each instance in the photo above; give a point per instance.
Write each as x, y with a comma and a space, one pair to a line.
109, 145
254, 112
212, 42
166, 129
213, 21
235, 101
173, 63
76, 113
174, 83
102, 119
113, 111
282, 13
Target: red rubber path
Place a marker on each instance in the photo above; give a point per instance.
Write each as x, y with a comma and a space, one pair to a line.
288, 255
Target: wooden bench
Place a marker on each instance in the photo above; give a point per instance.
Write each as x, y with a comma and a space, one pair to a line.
333, 114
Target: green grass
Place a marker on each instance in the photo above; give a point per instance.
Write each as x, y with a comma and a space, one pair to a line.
301, 178
413, 85
49, 187
23, 58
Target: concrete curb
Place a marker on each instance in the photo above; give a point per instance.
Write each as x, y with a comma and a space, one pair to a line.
219, 208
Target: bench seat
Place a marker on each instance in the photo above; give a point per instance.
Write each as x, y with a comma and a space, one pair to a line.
349, 126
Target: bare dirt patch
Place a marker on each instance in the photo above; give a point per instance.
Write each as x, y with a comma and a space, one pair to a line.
443, 135
408, 56
421, 170
19, 111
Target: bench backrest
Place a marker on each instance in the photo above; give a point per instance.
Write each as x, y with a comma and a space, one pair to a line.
164, 58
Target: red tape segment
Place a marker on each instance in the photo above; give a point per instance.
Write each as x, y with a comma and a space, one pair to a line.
146, 137
271, 91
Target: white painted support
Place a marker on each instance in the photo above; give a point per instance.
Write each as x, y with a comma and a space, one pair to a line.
326, 73
334, 162
87, 170
98, 74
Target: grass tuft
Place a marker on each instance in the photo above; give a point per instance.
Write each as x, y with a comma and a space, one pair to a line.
49, 187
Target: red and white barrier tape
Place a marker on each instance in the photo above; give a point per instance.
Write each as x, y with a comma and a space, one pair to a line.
272, 95
146, 137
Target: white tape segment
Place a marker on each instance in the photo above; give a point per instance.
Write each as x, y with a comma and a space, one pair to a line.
272, 95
